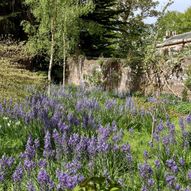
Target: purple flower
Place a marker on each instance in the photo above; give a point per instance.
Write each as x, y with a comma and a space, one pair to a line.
156, 136
109, 104
67, 181
82, 145
43, 177
30, 186
92, 146
118, 136
131, 130
6, 161
181, 124
36, 143
144, 188
62, 127
187, 189
30, 150
48, 152
157, 163
42, 163
160, 127
115, 147
166, 140
44, 180
151, 182
73, 167
29, 165
18, 174
126, 148
2, 176
189, 174
87, 104
102, 146
129, 158
182, 161
170, 180
177, 187
146, 155
74, 140
56, 136
114, 126
172, 131
152, 99
145, 171
188, 119
72, 120
130, 105
172, 165
104, 133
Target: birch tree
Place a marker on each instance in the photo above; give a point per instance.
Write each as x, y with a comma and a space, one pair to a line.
42, 33
56, 27
70, 13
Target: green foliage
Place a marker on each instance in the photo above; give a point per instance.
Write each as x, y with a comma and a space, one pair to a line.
70, 13
118, 27
95, 79
188, 80
175, 21
39, 34
98, 184
14, 135
97, 33
66, 20
134, 32
107, 75
11, 14
170, 22
182, 108
185, 94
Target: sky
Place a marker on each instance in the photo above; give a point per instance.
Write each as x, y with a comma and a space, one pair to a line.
178, 5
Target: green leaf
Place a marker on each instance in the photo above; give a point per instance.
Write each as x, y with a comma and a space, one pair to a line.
77, 188
115, 189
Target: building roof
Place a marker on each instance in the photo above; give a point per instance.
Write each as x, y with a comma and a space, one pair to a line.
185, 37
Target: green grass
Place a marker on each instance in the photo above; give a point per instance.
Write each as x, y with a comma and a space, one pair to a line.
15, 81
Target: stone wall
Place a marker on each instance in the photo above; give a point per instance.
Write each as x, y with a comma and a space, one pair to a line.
176, 81
79, 69
82, 69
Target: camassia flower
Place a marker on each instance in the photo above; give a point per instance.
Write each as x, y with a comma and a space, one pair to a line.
18, 174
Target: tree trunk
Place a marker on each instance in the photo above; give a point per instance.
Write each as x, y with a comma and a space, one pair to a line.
51, 56
64, 60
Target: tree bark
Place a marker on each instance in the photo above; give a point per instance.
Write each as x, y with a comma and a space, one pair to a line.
51, 55
64, 49
64, 60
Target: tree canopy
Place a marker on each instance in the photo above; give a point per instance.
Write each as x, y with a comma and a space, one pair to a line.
113, 25
175, 21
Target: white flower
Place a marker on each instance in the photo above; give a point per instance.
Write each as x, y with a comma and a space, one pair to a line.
5, 118
18, 123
